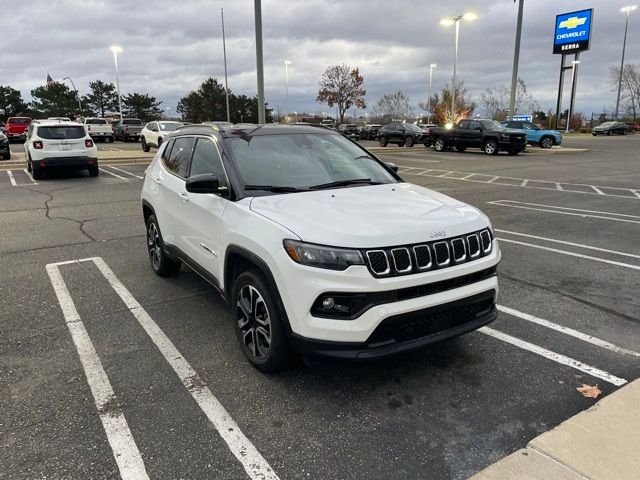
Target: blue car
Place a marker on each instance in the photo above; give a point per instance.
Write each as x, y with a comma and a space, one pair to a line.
535, 135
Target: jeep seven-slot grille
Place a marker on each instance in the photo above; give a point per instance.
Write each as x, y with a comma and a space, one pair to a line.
403, 260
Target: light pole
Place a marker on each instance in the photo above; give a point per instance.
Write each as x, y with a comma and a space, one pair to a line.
455, 21
286, 87
224, 52
516, 60
628, 9
574, 63
257, 12
431, 67
116, 49
77, 94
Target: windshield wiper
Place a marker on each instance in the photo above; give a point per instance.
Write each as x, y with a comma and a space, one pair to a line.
274, 188
345, 183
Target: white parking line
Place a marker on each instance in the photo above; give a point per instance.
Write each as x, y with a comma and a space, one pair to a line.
28, 174
501, 203
556, 357
113, 174
11, 178
572, 254
553, 240
557, 207
125, 450
125, 171
252, 461
567, 331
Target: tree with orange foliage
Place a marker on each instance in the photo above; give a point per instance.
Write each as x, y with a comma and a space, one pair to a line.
342, 86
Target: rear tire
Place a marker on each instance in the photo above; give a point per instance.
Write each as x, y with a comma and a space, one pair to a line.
609, 132
36, 173
94, 171
439, 144
161, 264
259, 324
382, 141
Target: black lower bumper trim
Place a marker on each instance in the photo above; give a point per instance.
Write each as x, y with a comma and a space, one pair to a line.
486, 313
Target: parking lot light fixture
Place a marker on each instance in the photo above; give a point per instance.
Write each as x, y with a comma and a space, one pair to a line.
77, 94
117, 49
456, 21
286, 87
628, 9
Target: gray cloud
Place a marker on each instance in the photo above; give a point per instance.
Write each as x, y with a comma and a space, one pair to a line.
170, 47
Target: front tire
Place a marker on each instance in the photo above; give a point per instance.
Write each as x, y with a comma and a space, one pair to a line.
490, 147
546, 142
258, 323
383, 141
145, 147
161, 264
408, 142
439, 144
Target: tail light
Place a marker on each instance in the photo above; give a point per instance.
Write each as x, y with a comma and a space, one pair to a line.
125, 128
88, 128
428, 131
38, 145
88, 143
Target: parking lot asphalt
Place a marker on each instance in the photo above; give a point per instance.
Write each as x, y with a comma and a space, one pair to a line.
569, 314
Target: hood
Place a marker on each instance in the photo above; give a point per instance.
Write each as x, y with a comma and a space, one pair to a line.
370, 216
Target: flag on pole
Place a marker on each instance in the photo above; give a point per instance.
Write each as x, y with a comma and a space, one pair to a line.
49, 79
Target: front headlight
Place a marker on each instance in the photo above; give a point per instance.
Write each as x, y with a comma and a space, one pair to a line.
505, 135
333, 258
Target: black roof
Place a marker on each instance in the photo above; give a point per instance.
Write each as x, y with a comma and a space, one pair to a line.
250, 129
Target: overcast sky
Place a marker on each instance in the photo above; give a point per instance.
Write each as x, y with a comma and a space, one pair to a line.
171, 46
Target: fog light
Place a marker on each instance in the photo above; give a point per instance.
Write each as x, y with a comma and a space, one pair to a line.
328, 303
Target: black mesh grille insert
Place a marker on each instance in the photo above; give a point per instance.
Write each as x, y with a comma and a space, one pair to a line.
401, 259
459, 253
378, 261
430, 321
423, 256
442, 253
474, 245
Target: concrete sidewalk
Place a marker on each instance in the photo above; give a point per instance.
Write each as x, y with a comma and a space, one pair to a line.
600, 443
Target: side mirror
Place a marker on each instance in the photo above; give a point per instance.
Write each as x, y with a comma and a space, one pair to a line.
392, 166
204, 183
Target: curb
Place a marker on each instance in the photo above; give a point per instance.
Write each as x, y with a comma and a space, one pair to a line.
599, 443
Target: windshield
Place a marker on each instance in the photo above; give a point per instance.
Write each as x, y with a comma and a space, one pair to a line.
169, 126
19, 120
64, 132
303, 160
410, 127
607, 124
491, 125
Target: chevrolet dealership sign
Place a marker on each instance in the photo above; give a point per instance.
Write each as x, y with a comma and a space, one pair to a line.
573, 32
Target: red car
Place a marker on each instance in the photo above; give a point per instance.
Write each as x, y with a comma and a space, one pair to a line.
633, 127
16, 127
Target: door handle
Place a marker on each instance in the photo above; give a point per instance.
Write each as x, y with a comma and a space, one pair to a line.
184, 197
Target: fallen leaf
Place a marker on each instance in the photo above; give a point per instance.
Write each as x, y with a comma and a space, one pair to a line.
589, 391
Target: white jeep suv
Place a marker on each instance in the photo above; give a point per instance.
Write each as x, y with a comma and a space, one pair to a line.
318, 246
53, 143
154, 133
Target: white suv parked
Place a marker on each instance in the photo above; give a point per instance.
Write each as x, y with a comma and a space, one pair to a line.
51, 144
154, 132
318, 246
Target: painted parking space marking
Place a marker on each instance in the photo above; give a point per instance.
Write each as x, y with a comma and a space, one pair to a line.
125, 172
575, 212
526, 183
102, 169
14, 182
12, 178
125, 450
556, 357
580, 245
254, 464
567, 331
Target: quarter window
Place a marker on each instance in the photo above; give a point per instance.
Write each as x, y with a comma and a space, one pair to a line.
178, 161
206, 159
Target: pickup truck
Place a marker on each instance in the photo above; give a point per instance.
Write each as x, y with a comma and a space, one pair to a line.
99, 128
16, 127
488, 135
128, 128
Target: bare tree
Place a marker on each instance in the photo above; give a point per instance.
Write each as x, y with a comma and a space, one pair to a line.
630, 92
394, 105
494, 102
342, 86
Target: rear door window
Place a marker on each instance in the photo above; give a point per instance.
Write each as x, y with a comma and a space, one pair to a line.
63, 132
178, 161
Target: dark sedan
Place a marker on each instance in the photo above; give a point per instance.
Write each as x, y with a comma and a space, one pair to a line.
610, 128
406, 134
5, 153
349, 130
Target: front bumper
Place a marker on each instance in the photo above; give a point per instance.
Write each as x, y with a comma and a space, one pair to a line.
405, 332
4, 147
300, 286
507, 144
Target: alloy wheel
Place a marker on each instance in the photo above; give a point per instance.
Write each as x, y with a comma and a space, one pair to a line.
254, 322
154, 245
547, 142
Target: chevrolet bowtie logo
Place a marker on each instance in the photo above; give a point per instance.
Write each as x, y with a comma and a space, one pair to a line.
572, 22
